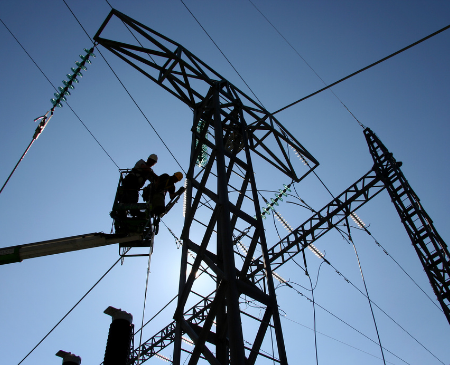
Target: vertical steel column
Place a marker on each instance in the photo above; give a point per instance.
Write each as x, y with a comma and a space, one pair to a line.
225, 243
263, 244
184, 249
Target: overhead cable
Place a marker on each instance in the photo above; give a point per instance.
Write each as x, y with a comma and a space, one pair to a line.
71, 309
335, 339
348, 281
290, 45
376, 305
363, 69
134, 101
223, 54
46, 118
340, 319
367, 294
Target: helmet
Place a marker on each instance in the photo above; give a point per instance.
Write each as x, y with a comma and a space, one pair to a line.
178, 176
153, 157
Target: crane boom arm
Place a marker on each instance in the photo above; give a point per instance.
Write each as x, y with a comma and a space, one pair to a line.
18, 253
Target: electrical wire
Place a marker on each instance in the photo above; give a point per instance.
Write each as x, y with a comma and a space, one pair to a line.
364, 228
48, 118
335, 339
145, 297
134, 101
290, 45
340, 319
368, 298
151, 319
223, 54
314, 312
64, 317
341, 233
363, 69
376, 305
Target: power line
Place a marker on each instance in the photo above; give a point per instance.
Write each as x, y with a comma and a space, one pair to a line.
46, 119
335, 339
409, 276
134, 101
368, 298
290, 45
64, 317
348, 281
363, 69
340, 319
223, 54
376, 305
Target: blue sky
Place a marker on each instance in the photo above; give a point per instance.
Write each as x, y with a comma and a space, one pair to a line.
66, 184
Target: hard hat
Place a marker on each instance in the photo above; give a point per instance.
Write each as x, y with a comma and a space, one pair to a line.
153, 157
178, 175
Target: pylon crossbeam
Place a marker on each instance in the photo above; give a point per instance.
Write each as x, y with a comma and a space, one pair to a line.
189, 79
318, 224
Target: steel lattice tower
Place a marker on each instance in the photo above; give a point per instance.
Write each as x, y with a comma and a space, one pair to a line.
228, 127
223, 234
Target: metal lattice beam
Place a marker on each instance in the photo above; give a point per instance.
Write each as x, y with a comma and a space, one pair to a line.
430, 247
189, 79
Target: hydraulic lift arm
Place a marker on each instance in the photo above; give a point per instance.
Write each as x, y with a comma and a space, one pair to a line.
18, 253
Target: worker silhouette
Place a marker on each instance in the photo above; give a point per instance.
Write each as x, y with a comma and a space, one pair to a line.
156, 192
135, 180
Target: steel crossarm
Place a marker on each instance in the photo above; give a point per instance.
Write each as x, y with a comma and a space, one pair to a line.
189, 79
317, 225
430, 247
195, 315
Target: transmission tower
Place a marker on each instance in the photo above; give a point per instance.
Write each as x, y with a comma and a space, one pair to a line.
228, 127
223, 236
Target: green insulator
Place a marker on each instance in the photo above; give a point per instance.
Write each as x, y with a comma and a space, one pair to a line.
85, 58
90, 52
274, 201
61, 91
282, 192
76, 71
286, 188
68, 84
263, 216
60, 97
56, 103
81, 65
72, 77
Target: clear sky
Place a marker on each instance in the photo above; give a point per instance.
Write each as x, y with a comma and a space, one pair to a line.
66, 184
